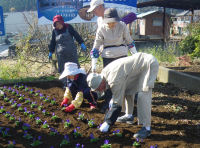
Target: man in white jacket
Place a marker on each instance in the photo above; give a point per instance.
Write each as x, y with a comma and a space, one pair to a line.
125, 77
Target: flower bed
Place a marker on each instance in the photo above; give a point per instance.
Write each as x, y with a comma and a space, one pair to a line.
30, 116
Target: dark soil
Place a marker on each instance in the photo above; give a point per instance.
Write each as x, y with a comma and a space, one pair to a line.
175, 120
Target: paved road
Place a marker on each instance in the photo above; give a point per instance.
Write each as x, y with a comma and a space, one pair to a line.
3, 50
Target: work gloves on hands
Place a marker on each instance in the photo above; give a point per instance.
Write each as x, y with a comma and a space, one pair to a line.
94, 53
70, 108
83, 47
50, 56
104, 127
65, 101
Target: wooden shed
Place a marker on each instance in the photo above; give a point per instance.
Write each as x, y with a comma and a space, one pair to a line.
150, 25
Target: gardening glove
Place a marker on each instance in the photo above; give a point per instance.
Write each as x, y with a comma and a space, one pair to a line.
104, 127
70, 108
78, 100
50, 56
83, 47
67, 97
94, 53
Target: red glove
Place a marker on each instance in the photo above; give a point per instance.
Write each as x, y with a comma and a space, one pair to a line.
65, 101
69, 108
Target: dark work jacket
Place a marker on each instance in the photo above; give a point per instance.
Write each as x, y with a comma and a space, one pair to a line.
80, 84
62, 43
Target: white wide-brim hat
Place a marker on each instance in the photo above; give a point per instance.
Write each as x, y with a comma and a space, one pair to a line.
94, 4
94, 80
71, 69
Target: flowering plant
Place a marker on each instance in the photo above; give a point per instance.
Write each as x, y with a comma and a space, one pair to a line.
11, 144
91, 123
65, 141
33, 104
93, 139
36, 142
15, 86
117, 133
21, 87
26, 88
106, 144
154, 146
54, 117
14, 105
31, 91
53, 102
45, 112
25, 126
6, 99
2, 110
4, 132
9, 89
13, 92
46, 100
17, 122
12, 117
26, 112
27, 135
67, 123
7, 114
137, 143
45, 125
76, 133
21, 98
37, 92
53, 132
20, 108
42, 96
27, 101
17, 94
38, 120
80, 116
31, 115
40, 107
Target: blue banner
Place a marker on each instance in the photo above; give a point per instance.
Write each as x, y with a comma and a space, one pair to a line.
75, 11
2, 29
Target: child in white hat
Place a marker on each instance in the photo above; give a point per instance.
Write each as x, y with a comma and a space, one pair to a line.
77, 88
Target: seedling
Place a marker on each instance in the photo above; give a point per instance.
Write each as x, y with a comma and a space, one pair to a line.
6, 99
11, 144
20, 109
4, 132
9, 89
38, 120
65, 141
137, 143
27, 101
27, 135
2, 110
67, 123
42, 96
76, 133
37, 93
36, 142
25, 126
21, 87
21, 98
17, 122
53, 132
93, 139
31, 91
14, 105
40, 107
33, 104
117, 133
54, 117
80, 116
45, 125
106, 144
13, 92
53, 102
7, 114
45, 112
31, 115
12, 118
26, 88
91, 123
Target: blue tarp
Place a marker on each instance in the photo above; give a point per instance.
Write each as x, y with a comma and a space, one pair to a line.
2, 29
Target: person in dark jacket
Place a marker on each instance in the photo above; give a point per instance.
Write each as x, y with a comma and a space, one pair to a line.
62, 43
77, 88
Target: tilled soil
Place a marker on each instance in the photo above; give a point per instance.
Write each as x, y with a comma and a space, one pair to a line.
175, 120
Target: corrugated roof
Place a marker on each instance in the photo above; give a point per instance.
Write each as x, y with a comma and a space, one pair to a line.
141, 15
176, 4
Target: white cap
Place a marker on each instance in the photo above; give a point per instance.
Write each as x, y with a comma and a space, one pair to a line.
71, 69
94, 80
94, 4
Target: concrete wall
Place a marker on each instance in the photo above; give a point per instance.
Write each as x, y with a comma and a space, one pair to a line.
179, 79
